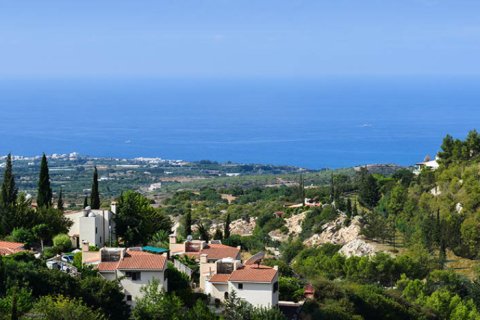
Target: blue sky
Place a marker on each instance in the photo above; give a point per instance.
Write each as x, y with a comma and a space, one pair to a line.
219, 38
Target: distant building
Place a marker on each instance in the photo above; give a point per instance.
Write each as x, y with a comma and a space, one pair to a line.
427, 163
93, 226
8, 248
132, 267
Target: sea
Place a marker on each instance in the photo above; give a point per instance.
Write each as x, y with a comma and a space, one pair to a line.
324, 122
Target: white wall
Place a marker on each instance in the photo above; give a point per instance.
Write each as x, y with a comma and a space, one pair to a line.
132, 287
258, 294
217, 290
93, 229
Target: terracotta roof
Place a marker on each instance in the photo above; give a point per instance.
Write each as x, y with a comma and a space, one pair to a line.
7, 247
135, 260
220, 278
107, 266
220, 251
254, 273
140, 260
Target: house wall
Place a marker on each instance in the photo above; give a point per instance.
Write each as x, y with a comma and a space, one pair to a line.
206, 270
258, 294
216, 290
176, 247
109, 275
132, 287
85, 227
91, 230
75, 218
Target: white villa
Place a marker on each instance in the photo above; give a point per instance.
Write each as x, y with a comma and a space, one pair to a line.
207, 254
252, 282
221, 272
427, 163
135, 268
93, 226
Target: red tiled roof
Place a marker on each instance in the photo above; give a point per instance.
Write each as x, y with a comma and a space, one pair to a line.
107, 266
254, 273
7, 247
220, 251
135, 260
219, 278
140, 260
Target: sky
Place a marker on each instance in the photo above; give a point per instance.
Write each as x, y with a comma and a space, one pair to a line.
247, 38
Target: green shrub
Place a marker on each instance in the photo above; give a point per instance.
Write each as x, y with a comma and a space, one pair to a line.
62, 242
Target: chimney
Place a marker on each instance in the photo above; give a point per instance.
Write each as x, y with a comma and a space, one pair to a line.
203, 258
172, 239
113, 207
275, 267
85, 246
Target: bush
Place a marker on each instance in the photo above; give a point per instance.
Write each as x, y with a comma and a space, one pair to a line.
23, 235
62, 242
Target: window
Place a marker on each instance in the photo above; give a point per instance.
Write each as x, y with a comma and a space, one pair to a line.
96, 230
225, 295
100, 239
275, 287
134, 275
129, 297
240, 286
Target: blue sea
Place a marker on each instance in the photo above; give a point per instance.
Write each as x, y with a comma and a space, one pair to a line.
315, 123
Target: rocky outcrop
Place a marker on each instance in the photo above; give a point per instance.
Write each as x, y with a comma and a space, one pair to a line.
357, 248
239, 226
337, 232
294, 224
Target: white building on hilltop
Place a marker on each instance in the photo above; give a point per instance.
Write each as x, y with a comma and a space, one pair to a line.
427, 163
93, 226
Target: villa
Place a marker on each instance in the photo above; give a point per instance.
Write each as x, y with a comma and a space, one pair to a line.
427, 163
93, 226
134, 268
251, 281
222, 272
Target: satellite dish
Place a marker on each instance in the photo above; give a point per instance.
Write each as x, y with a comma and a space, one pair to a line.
189, 238
255, 259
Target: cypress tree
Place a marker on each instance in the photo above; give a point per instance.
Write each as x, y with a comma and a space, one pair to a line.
354, 209
348, 208
188, 223
60, 200
226, 232
95, 196
85, 202
44, 196
8, 196
332, 188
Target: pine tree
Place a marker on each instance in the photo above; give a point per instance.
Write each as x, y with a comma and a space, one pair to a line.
226, 231
95, 196
60, 205
368, 190
85, 202
8, 196
188, 223
44, 196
